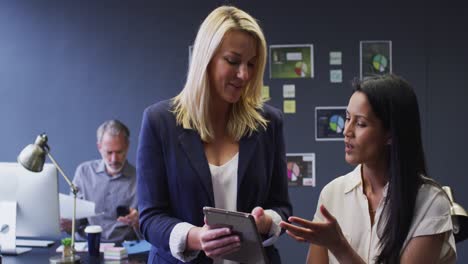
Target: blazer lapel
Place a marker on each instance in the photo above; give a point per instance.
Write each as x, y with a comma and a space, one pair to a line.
247, 146
193, 147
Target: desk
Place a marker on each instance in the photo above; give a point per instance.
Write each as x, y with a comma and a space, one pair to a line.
42, 255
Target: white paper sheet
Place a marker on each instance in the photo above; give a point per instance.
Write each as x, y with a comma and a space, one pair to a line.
83, 208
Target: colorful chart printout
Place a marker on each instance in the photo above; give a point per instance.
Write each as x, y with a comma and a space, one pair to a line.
375, 58
330, 121
301, 169
291, 61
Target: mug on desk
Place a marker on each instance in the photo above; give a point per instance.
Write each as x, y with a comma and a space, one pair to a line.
93, 233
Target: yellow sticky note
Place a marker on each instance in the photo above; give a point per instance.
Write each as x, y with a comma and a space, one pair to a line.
265, 92
289, 106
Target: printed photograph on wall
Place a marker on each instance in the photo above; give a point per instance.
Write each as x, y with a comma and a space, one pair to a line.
190, 50
301, 169
330, 122
375, 58
291, 61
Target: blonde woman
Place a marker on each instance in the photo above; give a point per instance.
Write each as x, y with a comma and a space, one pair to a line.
215, 144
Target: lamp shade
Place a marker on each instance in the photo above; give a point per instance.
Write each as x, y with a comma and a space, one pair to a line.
459, 217
33, 156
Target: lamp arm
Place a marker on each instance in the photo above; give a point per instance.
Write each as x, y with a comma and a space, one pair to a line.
74, 191
70, 183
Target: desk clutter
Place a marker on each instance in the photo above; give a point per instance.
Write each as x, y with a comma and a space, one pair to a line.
137, 247
83, 247
115, 253
131, 247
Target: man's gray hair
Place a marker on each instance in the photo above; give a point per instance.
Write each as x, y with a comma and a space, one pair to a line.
114, 127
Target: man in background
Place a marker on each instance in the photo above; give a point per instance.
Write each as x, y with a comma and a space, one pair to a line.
110, 183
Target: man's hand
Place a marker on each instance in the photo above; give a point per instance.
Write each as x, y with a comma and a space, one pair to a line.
131, 219
66, 225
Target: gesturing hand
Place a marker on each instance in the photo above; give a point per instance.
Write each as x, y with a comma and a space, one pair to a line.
326, 234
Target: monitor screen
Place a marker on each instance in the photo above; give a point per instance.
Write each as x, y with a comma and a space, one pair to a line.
36, 194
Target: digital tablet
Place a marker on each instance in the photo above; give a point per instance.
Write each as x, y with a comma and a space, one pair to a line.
251, 250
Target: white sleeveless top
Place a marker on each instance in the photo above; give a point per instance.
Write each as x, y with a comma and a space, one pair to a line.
224, 180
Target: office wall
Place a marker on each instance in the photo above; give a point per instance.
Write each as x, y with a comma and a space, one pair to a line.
66, 66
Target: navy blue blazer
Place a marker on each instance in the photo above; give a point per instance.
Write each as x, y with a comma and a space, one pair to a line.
174, 179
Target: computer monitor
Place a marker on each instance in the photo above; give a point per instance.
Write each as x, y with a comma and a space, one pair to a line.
29, 205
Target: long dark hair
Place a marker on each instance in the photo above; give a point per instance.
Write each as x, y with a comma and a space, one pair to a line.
394, 102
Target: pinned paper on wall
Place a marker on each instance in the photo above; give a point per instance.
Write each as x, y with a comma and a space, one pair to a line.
335, 58
375, 57
292, 61
266, 92
289, 91
329, 123
301, 169
336, 76
289, 106
190, 50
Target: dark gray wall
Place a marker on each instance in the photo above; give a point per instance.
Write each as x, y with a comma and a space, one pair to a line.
66, 66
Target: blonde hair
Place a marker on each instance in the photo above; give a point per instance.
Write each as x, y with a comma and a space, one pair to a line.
191, 104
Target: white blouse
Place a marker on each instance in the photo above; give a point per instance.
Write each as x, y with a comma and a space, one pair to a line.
345, 200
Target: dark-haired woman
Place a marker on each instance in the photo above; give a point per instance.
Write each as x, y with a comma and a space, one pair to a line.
386, 210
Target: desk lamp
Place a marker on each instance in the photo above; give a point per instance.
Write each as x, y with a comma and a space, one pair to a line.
32, 157
459, 217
